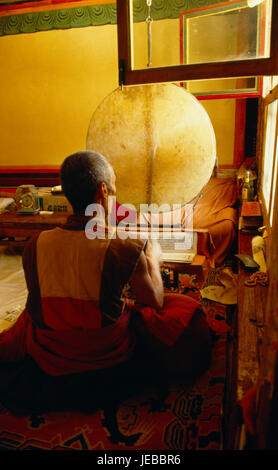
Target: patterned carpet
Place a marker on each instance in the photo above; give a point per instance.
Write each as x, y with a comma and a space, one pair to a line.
183, 416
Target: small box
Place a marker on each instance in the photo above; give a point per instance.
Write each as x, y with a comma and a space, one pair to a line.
251, 209
251, 216
54, 202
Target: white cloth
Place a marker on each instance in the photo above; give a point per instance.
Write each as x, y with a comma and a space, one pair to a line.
13, 289
225, 293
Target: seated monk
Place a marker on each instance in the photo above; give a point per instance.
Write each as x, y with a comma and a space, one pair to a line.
77, 345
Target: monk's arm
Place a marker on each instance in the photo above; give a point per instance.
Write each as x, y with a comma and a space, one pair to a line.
146, 281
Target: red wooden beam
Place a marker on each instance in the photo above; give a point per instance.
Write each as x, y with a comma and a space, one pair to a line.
47, 5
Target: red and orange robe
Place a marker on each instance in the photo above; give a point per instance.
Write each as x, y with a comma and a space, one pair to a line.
75, 321
74, 318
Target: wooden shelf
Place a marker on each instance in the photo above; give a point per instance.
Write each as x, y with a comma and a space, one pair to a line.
251, 307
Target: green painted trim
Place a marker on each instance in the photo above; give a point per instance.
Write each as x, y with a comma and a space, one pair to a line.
58, 19
94, 15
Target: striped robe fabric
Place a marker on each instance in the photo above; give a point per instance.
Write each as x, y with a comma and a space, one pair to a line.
78, 321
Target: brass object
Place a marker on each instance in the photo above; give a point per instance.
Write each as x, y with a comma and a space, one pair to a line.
27, 199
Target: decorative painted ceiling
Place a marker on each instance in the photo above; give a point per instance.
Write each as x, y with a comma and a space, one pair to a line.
18, 17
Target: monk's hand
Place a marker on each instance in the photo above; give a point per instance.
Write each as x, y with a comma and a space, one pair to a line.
153, 252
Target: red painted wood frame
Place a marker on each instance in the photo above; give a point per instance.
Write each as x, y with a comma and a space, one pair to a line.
13, 176
239, 134
179, 73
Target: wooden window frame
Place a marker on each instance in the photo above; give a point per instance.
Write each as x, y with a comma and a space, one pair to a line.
179, 73
270, 98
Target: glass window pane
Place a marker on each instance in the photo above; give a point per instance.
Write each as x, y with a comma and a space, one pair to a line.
165, 35
164, 41
237, 35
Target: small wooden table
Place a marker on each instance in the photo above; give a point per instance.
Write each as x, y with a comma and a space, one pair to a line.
199, 266
16, 229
